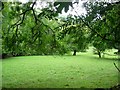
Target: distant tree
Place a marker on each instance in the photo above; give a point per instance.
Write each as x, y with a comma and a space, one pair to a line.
75, 33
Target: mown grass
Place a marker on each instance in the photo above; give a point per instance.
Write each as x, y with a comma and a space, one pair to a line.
82, 71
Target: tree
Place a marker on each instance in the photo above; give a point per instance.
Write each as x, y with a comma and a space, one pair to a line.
75, 33
28, 31
25, 28
104, 19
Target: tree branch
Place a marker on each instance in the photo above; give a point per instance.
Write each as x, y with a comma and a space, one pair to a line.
92, 29
1, 5
23, 15
35, 17
116, 67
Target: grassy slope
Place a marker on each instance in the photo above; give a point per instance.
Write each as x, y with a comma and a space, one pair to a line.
84, 70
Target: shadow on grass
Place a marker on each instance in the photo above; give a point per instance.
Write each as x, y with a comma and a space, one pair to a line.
104, 58
92, 57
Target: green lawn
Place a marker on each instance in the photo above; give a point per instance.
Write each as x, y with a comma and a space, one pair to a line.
82, 71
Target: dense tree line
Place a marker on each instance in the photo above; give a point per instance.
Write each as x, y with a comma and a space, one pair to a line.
27, 30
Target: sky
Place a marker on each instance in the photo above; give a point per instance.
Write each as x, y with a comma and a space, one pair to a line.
77, 7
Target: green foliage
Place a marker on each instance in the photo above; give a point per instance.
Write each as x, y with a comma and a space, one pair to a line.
62, 5
30, 31
74, 33
103, 19
27, 32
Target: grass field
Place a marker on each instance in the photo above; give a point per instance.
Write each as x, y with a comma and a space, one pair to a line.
82, 71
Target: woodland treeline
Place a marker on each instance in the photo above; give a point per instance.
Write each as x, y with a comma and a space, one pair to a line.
27, 30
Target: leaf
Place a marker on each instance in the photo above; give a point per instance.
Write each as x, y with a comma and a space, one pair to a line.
45, 21
63, 5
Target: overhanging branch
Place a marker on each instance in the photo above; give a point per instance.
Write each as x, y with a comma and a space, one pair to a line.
92, 29
23, 15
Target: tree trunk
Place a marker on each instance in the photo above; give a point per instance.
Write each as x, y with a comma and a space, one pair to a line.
74, 54
99, 53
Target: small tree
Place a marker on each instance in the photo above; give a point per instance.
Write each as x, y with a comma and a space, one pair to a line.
99, 48
75, 33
